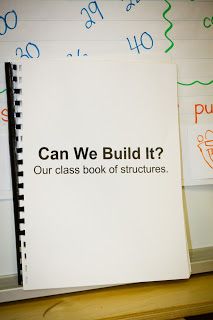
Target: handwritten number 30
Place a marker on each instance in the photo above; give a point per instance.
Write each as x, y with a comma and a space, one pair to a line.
6, 20
32, 51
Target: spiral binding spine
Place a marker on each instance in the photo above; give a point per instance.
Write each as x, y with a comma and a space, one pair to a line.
13, 80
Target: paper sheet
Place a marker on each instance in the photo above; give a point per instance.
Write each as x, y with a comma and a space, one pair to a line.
5, 174
5, 181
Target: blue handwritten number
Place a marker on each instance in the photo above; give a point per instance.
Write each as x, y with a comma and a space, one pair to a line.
6, 21
78, 54
28, 50
131, 4
92, 9
144, 35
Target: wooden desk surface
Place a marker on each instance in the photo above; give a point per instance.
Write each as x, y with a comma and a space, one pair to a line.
160, 300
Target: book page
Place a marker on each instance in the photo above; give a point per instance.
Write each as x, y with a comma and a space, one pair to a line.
102, 190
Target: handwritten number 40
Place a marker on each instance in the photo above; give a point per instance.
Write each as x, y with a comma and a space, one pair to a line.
9, 21
31, 51
92, 9
146, 42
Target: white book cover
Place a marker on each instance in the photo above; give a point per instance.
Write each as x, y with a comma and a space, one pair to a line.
102, 178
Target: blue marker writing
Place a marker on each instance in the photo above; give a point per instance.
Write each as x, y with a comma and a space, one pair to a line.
92, 8
146, 42
31, 51
8, 22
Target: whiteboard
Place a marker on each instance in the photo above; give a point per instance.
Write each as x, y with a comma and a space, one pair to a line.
180, 31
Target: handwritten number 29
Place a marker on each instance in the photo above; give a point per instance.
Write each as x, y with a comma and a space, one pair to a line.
92, 9
31, 51
8, 22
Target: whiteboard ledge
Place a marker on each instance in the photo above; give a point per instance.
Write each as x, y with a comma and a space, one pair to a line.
201, 261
